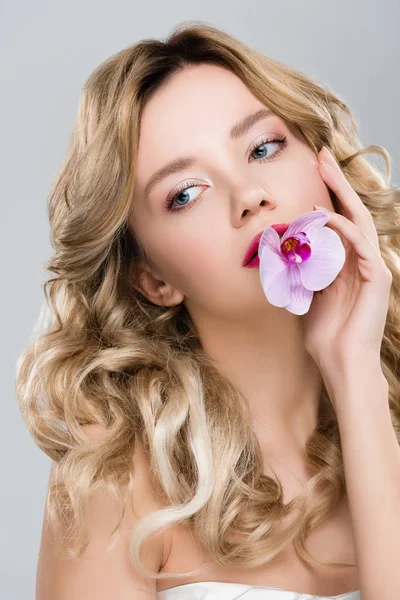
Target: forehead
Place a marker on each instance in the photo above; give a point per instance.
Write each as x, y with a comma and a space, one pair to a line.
198, 105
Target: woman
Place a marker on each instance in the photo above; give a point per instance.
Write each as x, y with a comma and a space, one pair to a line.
228, 430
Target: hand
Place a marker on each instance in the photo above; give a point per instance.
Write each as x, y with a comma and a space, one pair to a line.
346, 320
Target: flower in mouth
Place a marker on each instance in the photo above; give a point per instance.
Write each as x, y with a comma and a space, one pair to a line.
306, 259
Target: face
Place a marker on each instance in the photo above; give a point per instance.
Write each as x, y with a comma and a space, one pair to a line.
235, 188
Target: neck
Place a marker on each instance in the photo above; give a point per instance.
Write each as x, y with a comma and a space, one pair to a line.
265, 358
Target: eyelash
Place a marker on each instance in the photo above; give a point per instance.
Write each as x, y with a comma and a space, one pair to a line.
282, 140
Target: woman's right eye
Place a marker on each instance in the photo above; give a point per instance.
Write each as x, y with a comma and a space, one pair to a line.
189, 185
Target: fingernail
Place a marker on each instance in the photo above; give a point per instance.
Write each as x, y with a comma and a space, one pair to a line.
332, 158
326, 210
325, 164
329, 153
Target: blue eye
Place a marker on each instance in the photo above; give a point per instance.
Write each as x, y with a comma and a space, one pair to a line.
281, 140
278, 140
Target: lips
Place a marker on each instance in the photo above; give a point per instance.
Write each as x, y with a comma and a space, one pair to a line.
252, 250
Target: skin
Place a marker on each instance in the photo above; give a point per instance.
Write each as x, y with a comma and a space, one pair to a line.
197, 253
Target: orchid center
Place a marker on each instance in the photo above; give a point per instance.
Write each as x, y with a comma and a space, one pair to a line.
296, 249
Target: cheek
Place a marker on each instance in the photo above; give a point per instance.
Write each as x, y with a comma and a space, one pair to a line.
310, 188
184, 258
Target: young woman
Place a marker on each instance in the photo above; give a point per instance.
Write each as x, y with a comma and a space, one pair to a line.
226, 447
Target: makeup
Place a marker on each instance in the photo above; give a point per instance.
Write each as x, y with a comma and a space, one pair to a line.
251, 259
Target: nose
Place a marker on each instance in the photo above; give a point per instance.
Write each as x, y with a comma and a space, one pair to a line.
249, 202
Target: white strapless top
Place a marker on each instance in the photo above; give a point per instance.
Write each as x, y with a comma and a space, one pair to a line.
218, 590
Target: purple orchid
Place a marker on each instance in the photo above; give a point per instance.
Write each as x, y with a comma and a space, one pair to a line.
307, 258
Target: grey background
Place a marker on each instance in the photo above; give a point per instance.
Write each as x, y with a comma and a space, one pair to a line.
48, 50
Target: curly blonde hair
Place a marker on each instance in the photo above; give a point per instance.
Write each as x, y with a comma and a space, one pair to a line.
103, 354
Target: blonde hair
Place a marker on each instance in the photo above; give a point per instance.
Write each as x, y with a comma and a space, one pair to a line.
103, 354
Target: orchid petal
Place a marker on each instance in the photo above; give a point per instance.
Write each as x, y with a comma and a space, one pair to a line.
326, 261
300, 297
273, 272
270, 238
311, 259
307, 223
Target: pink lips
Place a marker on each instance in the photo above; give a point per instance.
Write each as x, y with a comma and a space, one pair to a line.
280, 228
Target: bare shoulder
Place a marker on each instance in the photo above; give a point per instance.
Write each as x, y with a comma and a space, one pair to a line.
101, 574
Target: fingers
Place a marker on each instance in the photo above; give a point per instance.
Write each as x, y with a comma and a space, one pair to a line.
374, 267
333, 176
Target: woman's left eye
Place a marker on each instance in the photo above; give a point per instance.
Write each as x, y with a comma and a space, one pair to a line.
282, 143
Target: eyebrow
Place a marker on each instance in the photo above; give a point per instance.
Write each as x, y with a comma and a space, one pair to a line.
183, 162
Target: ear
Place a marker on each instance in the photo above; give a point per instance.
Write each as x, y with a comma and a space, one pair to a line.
155, 289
